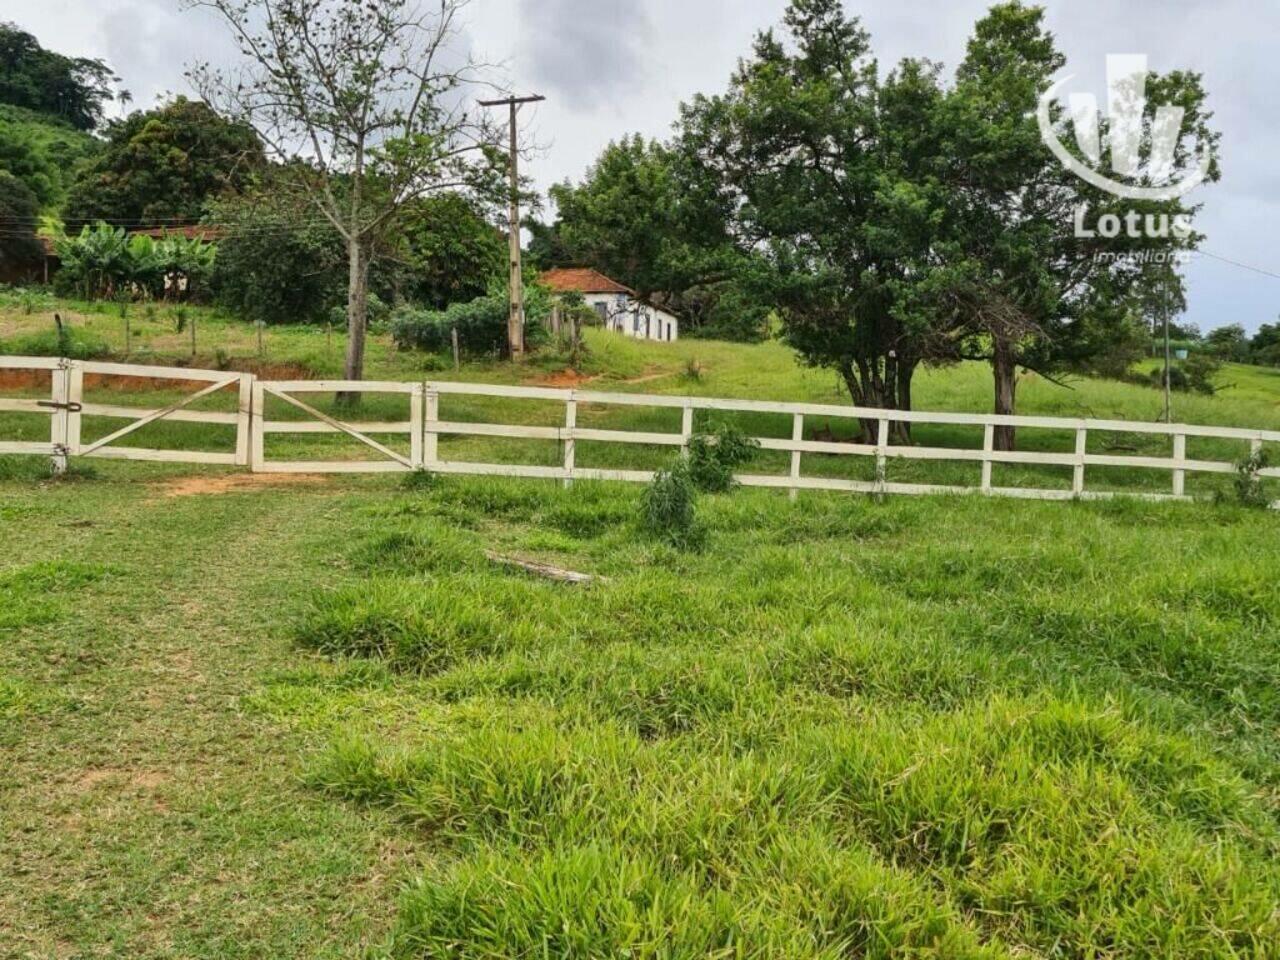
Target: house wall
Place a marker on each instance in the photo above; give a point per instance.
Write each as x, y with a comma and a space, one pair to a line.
623, 314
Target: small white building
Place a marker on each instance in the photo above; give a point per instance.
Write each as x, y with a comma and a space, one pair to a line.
619, 308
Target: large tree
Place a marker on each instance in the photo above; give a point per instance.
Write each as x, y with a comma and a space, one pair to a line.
1023, 286
366, 102
164, 165
825, 171
908, 222
73, 89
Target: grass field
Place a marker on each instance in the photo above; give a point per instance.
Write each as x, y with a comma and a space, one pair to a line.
312, 719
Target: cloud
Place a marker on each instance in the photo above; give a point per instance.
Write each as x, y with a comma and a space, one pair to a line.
589, 53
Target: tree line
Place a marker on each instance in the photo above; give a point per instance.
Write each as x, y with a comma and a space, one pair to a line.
888, 219
882, 219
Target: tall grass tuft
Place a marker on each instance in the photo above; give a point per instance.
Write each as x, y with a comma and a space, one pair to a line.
668, 509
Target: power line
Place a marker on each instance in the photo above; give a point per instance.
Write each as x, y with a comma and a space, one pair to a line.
1242, 266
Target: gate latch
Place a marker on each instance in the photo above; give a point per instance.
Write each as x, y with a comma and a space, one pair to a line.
55, 405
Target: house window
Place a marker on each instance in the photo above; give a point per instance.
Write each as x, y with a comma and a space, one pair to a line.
602, 309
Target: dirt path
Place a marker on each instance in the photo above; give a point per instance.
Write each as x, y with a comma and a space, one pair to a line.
182, 829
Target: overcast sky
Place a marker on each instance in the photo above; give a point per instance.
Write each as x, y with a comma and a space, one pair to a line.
610, 67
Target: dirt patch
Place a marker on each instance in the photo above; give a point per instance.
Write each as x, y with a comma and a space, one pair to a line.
40, 379
648, 377
568, 377
197, 485
272, 371
25, 379
137, 779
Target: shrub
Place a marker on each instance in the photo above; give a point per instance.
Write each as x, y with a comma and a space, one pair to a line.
378, 312
275, 265
481, 324
714, 456
668, 508
1248, 481
1194, 375
1201, 369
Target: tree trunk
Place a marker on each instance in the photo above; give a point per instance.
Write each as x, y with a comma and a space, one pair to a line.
906, 370
357, 317
1005, 370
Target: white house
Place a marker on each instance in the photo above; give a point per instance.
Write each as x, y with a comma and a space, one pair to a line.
619, 308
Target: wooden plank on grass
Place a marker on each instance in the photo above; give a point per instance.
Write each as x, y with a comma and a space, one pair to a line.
546, 570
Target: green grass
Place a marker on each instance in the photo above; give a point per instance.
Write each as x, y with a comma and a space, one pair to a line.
317, 721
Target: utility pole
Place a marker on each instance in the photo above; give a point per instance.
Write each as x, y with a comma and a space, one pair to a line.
1168, 370
515, 321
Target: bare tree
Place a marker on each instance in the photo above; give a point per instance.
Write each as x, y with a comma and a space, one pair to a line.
363, 103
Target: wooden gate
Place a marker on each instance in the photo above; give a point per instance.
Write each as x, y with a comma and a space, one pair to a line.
108, 446
389, 460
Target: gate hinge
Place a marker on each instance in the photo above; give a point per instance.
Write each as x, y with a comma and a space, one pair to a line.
55, 405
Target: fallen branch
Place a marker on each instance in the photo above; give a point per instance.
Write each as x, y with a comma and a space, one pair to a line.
545, 569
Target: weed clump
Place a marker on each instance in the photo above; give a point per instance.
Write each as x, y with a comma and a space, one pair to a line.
668, 509
419, 481
1248, 480
715, 455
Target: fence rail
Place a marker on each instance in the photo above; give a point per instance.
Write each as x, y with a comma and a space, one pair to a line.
424, 427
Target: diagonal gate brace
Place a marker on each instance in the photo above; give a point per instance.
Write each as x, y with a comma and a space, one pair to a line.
156, 415
339, 425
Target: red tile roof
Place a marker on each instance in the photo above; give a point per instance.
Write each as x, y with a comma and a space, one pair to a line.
583, 280
207, 234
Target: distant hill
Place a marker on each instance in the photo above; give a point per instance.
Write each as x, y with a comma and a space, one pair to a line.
59, 150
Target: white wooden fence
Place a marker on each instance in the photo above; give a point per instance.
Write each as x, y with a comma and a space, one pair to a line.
424, 427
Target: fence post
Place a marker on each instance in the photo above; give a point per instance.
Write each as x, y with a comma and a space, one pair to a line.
75, 398
244, 419
686, 427
1180, 456
58, 422
431, 439
417, 425
797, 435
988, 447
570, 452
882, 454
1082, 448
257, 414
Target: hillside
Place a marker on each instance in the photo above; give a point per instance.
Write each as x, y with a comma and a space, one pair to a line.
59, 147
930, 726
1247, 396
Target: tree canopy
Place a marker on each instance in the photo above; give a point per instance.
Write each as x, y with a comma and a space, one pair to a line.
647, 216
905, 219
73, 89
19, 247
164, 165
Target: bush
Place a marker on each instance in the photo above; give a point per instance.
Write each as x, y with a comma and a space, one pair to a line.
714, 456
481, 324
377, 314
1248, 481
277, 266
1194, 375
668, 508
